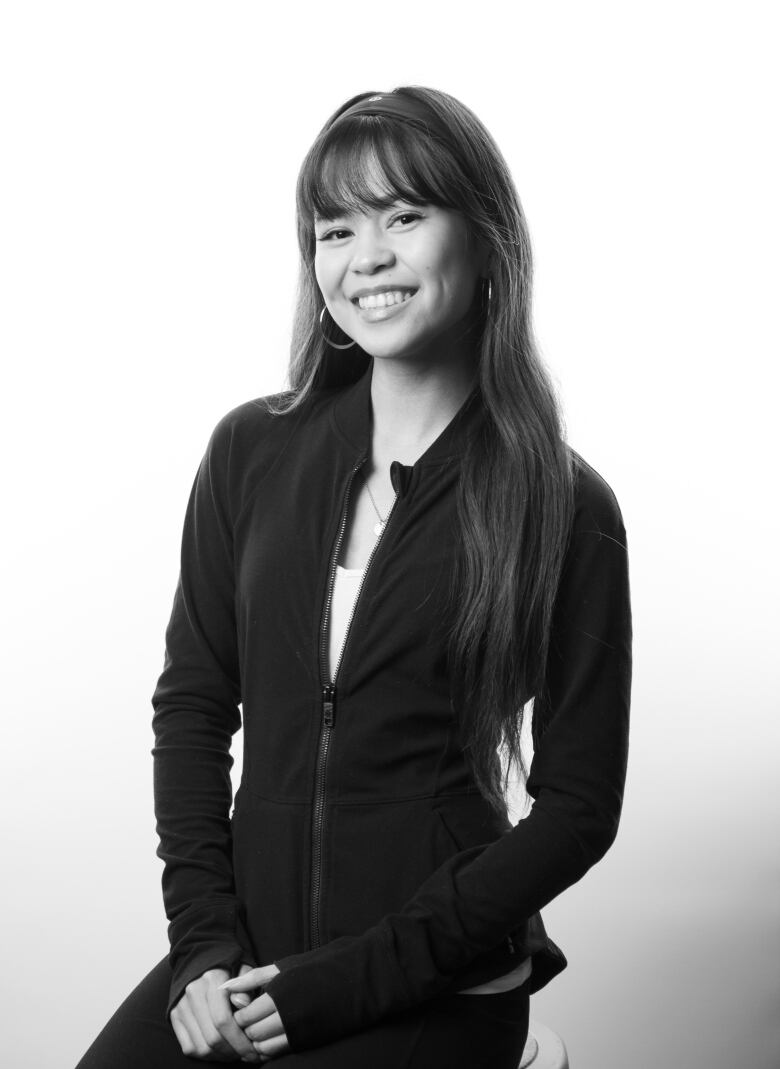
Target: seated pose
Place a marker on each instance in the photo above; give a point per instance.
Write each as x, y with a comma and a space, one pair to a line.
382, 569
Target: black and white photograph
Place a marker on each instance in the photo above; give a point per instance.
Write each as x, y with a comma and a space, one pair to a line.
390, 601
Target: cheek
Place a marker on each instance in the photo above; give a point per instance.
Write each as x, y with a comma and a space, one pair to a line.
464, 263
319, 272
326, 275
454, 265
455, 279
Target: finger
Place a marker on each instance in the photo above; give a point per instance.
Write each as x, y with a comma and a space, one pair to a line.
215, 1044
222, 1017
268, 1028
199, 1047
183, 1036
272, 1047
261, 1007
252, 979
242, 998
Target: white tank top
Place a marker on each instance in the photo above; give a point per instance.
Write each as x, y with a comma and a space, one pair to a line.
345, 591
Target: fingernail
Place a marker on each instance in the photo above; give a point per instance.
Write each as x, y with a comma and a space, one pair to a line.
227, 983
238, 998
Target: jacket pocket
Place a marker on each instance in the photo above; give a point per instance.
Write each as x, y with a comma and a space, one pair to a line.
375, 858
469, 820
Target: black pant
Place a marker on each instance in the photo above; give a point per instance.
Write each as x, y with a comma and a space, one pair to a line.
449, 1032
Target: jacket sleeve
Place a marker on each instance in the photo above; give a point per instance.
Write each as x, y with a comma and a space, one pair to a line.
195, 715
479, 895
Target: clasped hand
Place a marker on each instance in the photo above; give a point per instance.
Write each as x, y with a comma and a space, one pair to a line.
207, 1027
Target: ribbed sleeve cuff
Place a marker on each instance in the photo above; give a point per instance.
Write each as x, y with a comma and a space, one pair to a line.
340, 988
215, 939
225, 957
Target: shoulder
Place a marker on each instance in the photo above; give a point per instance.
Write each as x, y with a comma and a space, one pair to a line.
254, 424
247, 420
249, 441
596, 509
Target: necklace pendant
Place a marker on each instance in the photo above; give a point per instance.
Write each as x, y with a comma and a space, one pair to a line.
379, 527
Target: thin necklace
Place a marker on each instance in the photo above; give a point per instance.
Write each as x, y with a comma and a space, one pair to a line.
380, 526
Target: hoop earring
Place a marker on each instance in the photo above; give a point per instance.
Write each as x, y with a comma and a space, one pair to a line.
334, 344
487, 293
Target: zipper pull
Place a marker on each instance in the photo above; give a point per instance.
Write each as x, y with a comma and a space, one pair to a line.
329, 705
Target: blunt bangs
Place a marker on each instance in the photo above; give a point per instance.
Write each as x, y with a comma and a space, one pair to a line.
367, 163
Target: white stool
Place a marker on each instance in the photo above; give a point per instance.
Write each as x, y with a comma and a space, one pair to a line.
544, 1049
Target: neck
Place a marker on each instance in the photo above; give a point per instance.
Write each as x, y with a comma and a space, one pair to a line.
413, 402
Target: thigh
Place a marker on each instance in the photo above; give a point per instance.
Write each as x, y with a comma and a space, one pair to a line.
450, 1032
139, 1035
474, 1031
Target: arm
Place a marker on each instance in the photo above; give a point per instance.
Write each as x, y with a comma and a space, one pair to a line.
195, 715
470, 903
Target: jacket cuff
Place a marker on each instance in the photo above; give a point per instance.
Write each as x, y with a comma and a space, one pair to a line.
206, 947
227, 956
337, 989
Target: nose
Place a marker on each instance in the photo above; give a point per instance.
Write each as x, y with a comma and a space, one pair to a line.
371, 250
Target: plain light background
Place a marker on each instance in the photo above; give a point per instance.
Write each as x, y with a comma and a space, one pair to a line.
147, 271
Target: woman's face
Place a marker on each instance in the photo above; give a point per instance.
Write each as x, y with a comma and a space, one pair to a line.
399, 280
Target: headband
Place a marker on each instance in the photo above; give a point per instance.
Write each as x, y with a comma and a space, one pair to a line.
395, 106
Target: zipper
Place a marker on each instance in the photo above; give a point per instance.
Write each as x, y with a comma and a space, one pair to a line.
328, 695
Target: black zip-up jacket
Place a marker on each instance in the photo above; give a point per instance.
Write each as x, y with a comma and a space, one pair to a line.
359, 857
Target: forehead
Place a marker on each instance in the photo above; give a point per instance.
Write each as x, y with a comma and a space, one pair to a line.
359, 177
383, 201
374, 191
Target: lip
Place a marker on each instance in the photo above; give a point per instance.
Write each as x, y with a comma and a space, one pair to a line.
379, 315
371, 291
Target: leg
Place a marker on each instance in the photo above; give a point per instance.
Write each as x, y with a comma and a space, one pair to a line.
451, 1032
138, 1036
474, 1031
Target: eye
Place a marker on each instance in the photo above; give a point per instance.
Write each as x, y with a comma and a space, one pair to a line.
336, 234
406, 218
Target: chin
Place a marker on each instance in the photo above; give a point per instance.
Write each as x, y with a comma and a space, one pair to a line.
387, 349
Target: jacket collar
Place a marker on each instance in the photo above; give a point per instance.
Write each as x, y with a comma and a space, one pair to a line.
351, 416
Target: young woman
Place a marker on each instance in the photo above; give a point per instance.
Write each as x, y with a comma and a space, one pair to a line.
384, 566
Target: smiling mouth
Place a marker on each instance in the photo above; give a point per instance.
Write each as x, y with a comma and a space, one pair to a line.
384, 300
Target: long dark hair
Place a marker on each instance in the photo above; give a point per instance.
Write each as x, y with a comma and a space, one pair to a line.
515, 491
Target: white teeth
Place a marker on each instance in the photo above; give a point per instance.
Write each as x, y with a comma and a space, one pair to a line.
383, 300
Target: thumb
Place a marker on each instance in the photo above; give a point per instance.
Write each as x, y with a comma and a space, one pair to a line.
250, 979
240, 998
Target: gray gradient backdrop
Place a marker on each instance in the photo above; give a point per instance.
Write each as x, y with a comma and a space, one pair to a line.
147, 268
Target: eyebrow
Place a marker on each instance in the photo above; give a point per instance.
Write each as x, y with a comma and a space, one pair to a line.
383, 204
